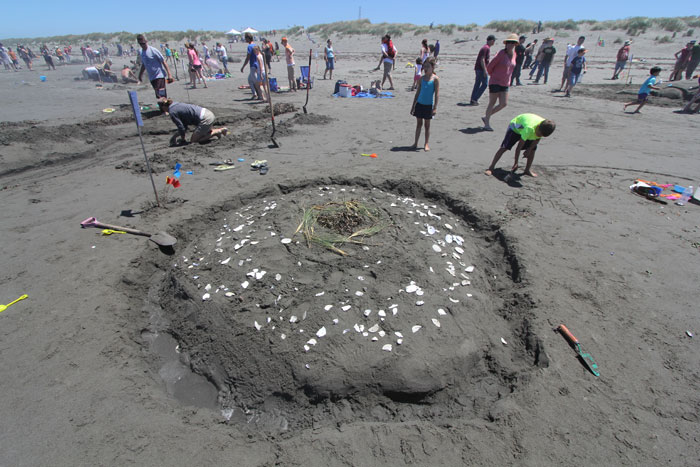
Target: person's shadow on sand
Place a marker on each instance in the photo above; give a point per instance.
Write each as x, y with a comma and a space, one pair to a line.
506, 176
404, 149
472, 131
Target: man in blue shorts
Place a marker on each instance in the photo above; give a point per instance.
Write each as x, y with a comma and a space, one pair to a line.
153, 62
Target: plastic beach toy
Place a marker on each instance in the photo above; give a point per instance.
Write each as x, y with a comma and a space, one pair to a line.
4, 307
373, 155
42, 78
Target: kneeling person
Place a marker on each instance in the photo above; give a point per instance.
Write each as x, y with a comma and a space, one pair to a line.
526, 130
184, 115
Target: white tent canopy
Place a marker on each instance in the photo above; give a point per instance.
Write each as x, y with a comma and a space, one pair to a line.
250, 30
233, 32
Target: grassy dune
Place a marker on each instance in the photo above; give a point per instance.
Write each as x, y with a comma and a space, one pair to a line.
631, 26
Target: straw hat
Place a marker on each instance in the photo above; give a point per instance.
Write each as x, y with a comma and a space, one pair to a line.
512, 38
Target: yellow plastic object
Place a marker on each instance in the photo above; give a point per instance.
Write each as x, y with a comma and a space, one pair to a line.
108, 110
4, 307
110, 232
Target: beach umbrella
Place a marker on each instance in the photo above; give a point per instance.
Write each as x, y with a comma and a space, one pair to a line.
233, 32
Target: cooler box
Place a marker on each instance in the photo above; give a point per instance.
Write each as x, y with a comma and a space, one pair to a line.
273, 85
345, 90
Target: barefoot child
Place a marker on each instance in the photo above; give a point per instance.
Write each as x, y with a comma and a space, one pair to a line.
644, 90
526, 130
418, 74
426, 101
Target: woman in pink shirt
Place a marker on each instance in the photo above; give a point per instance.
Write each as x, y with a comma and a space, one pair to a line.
500, 69
195, 66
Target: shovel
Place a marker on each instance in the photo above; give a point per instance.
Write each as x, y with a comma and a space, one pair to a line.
160, 238
272, 111
586, 358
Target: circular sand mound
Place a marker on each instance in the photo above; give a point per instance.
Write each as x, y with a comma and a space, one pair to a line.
378, 306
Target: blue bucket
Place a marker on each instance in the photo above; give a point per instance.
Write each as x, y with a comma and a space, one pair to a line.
42, 78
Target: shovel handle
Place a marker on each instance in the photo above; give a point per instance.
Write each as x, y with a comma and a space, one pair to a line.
567, 334
93, 222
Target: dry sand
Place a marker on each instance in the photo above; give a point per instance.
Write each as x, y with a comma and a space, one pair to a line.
115, 359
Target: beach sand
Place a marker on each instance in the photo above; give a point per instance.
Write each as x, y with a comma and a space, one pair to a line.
115, 358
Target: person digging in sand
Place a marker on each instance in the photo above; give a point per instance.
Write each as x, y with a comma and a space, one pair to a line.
526, 130
184, 115
426, 101
643, 93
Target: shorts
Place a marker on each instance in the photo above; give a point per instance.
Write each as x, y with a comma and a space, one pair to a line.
642, 97
417, 78
511, 138
423, 111
205, 123
290, 72
497, 88
197, 67
574, 78
388, 66
567, 72
330, 64
159, 87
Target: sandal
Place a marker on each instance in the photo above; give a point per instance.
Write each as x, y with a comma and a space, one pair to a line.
222, 167
264, 169
257, 164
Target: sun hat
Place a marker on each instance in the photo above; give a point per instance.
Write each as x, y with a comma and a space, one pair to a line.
512, 38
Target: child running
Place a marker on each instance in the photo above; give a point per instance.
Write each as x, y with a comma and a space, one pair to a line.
526, 130
418, 75
646, 87
578, 67
426, 101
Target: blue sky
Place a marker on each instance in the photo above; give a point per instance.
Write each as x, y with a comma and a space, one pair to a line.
32, 18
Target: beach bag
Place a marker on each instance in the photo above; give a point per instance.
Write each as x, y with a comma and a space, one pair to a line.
337, 86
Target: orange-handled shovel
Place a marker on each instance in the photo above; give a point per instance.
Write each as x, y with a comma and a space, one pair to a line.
586, 358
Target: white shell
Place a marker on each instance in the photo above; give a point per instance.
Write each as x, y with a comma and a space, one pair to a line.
381, 313
226, 260
367, 312
441, 312
327, 307
346, 308
306, 348
470, 269
503, 341
207, 287
448, 238
286, 240
398, 334
245, 284
320, 294
419, 292
375, 339
206, 296
283, 336
238, 228
416, 328
459, 250
229, 294
359, 293
335, 321
257, 326
436, 248
293, 319
311, 341
411, 288
431, 230
259, 275
381, 333
321, 332
278, 277
399, 341
387, 347
453, 300
420, 303
448, 226
374, 328
436, 322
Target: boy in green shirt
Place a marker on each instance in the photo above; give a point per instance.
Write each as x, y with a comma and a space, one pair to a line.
526, 130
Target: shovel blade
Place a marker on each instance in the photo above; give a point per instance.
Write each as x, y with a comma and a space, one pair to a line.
163, 239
